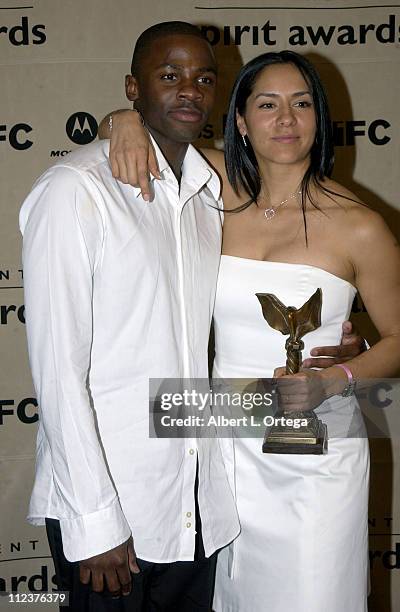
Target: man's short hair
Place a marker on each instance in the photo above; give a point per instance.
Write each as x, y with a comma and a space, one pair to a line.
159, 30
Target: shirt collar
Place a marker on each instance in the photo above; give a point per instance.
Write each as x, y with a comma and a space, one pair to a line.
196, 172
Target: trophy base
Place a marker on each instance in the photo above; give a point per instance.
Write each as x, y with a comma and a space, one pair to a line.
308, 440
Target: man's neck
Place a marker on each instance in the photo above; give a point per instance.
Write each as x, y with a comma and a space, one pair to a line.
174, 152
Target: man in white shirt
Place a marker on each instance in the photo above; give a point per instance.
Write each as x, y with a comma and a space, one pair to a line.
116, 294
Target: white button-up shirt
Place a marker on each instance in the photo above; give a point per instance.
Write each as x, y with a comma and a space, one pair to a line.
117, 291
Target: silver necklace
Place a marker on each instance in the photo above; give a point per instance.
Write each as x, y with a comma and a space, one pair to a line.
269, 213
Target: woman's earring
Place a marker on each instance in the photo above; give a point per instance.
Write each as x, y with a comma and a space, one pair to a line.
244, 140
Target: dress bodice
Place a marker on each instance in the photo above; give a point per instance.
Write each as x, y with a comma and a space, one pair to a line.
247, 347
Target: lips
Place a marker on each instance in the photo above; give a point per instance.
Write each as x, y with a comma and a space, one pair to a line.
286, 139
186, 114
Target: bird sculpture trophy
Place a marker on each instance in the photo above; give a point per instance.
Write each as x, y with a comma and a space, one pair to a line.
294, 322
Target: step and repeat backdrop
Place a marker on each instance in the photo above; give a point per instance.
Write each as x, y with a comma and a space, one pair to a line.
62, 68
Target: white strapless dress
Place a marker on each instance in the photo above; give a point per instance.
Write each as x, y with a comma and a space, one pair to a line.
303, 545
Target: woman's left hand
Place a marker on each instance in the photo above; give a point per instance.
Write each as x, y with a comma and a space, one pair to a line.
300, 392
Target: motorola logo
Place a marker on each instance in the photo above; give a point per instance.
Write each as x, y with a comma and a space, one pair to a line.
81, 128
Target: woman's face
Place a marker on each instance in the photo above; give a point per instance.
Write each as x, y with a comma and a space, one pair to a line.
279, 118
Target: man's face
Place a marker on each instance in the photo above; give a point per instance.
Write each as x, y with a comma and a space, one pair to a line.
175, 88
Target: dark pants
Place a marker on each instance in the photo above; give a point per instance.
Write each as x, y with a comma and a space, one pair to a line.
183, 586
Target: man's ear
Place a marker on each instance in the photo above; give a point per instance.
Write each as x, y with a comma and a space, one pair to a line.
131, 88
241, 124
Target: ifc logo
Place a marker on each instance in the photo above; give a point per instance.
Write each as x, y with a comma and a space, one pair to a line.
81, 128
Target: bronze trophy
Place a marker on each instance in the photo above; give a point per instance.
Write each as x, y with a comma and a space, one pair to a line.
295, 322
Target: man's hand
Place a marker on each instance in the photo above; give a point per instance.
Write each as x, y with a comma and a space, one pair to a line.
351, 346
132, 155
113, 566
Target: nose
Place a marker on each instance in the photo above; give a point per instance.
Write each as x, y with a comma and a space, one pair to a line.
189, 90
286, 116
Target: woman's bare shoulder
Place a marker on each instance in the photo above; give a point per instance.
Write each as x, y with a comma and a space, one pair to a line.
339, 194
346, 204
355, 218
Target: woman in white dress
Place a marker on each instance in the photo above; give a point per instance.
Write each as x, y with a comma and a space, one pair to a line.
303, 545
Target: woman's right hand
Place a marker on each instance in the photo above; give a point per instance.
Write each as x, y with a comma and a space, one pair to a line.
132, 155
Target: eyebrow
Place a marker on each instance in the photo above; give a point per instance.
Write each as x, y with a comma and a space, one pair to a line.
178, 67
297, 94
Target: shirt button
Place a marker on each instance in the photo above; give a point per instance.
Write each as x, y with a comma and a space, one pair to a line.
188, 514
188, 525
191, 452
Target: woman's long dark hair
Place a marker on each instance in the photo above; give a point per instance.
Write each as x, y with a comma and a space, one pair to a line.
240, 160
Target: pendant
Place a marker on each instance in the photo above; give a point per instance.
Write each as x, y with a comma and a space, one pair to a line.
269, 213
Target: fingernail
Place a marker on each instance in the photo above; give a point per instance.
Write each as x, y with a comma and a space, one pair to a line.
146, 197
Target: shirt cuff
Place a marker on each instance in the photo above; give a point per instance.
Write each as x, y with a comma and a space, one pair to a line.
92, 534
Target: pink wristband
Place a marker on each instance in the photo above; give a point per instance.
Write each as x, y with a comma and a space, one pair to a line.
351, 383
347, 370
